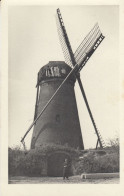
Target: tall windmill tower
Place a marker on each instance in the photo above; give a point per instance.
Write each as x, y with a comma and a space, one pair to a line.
59, 123
56, 118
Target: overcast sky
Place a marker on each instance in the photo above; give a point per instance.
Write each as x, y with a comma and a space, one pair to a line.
33, 42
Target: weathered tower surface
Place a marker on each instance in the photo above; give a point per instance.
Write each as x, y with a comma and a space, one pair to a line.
59, 124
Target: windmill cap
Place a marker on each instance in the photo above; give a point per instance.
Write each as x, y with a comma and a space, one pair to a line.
55, 69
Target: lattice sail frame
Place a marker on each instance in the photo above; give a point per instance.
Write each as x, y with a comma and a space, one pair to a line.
63, 44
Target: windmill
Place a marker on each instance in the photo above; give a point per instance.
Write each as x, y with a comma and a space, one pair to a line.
77, 61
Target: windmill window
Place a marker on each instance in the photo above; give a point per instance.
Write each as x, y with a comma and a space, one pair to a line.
57, 118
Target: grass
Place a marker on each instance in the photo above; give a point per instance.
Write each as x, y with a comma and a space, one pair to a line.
59, 180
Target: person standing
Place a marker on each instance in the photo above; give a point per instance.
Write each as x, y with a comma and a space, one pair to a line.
65, 169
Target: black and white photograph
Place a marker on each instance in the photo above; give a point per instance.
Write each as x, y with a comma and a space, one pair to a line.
63, 95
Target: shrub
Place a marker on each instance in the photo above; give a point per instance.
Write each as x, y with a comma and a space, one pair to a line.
91, 162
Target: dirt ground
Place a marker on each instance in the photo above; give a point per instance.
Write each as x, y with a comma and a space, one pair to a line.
59, 180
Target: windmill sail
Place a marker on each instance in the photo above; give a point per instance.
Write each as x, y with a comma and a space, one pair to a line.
81, 56
88, 46
64, 41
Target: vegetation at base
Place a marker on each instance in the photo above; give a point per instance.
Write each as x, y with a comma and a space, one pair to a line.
91, 163
106, 161
31, 163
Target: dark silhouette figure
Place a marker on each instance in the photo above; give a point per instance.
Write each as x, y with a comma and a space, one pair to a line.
65, 169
